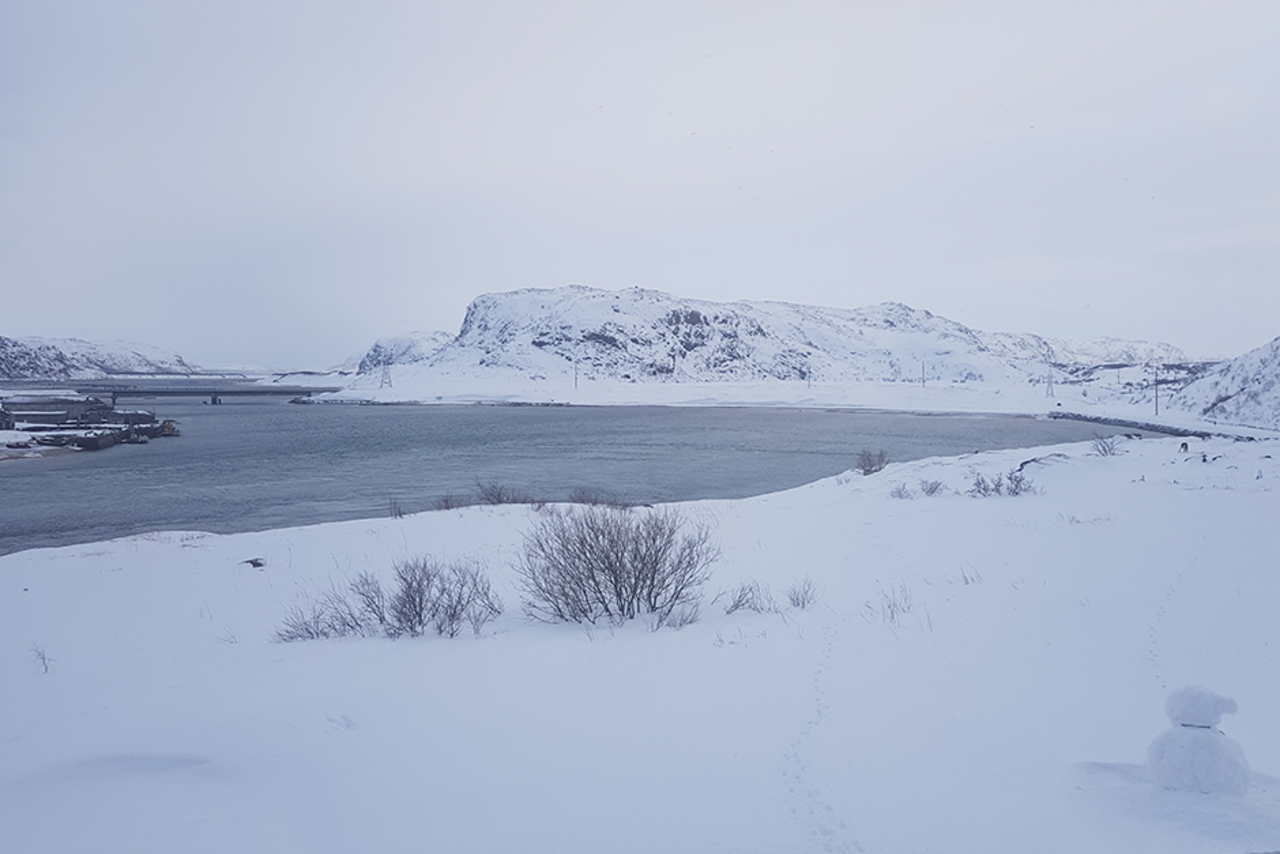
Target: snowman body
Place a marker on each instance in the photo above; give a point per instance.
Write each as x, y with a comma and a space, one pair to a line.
1193, 754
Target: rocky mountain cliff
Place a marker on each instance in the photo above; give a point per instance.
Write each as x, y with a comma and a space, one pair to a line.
649, 336
1244, 390
74, 359
408, 349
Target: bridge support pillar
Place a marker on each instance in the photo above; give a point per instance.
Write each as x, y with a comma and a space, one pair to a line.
214, 399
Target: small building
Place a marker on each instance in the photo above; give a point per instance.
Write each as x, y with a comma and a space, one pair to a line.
57, 410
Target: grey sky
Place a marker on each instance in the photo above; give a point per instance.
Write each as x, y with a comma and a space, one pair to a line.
281, 183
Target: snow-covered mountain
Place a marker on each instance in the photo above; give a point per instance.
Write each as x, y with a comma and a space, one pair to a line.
408, 349
1244, 390
645, 335
75, 359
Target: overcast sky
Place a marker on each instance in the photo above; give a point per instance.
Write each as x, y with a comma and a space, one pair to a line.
281, 183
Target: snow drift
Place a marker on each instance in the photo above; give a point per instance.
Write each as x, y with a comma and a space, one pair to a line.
977, 674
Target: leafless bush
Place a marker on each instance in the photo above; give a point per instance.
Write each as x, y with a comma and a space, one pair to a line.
901, 491
751, 596
431, 595
1014, 483
592, 563
1106, 446
40, 657
329, 615
803, 594
451, 502
426, 596
467, 597
1017, 483
983, 488
930, 487
686, 616
370, 599
395, 510
894, 604
869, 463
584, 495
495, 493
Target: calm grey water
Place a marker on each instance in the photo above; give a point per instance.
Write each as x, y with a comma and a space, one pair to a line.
253, 464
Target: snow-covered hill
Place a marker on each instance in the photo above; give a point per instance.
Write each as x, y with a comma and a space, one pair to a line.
1244, 390
643, 336
75, 359
408, 349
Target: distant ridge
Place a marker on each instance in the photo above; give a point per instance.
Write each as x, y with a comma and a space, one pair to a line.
641, 335
1244, 390
75, 359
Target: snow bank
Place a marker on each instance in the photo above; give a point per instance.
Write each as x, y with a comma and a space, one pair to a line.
977, 674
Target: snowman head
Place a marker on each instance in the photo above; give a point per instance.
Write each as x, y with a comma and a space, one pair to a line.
1195, 706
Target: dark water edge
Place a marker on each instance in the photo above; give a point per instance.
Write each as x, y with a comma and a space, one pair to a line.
257, 464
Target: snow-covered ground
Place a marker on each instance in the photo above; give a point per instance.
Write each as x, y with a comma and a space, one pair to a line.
977, 675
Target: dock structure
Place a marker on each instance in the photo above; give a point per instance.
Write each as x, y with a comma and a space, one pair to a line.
65, 419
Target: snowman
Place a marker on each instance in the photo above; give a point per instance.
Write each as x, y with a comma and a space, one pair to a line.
1193, 754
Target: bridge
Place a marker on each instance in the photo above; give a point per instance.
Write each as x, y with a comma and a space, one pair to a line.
214, 392
212, 388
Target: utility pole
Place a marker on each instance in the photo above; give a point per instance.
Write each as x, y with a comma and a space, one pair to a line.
575, 371
1156, 386
922, 373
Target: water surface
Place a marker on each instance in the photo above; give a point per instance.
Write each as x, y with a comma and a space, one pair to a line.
253, 464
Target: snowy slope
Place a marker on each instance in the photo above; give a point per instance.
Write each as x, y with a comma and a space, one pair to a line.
646, 336
408, 349
1244, 390
75, 359
977, 675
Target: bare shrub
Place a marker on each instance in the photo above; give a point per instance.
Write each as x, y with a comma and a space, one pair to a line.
370, 599
40, 657
751, 596
1017, 483
681, 617
465, 596
869, 463
411, 604
894, 604
901, 491
1106, 446
451, 502
803, 594
585, 564
395, 510
329, 615
1014, 483
983, 488
584, 495
431, 595
426, 596
930, 487
495, 493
